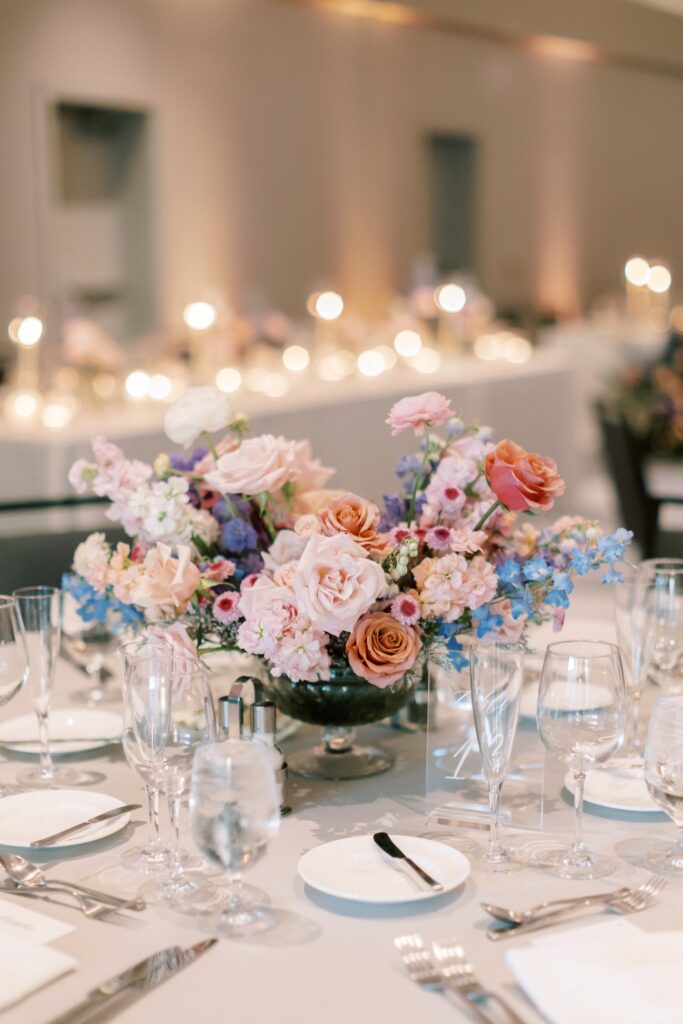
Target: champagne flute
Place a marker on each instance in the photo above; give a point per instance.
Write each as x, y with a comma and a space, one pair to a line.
234, 815
41, 613
663, 581
13, 654
147, 671
632, 621
581, 716
496, 676
664, 775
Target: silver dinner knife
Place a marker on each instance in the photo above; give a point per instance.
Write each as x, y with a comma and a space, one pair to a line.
104, 816
387, 845
133, 982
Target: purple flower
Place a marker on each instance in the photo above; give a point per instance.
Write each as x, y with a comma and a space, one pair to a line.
186, 463
238, 536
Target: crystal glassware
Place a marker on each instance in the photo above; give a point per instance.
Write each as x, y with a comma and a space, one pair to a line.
496, 676
631, 621
191, 723
664, 775
41, 612
89, 646
147, 673
234, 815
663, 582
581, 716
13, 653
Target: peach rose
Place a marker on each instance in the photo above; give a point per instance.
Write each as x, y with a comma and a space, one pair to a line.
418, 412
356, 517
335, 583
522, 480
381, 650
167, 582
310, 502
260, 464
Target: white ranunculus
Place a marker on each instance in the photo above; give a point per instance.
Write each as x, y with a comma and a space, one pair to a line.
92, 550
197, 411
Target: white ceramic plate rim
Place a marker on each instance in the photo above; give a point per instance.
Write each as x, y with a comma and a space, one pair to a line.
110, 723
611, 805
412, 845
92, 803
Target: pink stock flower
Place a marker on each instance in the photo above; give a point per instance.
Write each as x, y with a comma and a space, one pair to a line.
167, 582
226, 607
301, 654
450, 584
81, 475
406, 609
480, 583
466, 541
418, 412
335, 582
260, 464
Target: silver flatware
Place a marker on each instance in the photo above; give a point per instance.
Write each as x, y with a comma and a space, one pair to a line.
132, 983
550, 906
29, 874
456, 968
423, 971
104, 816
89, 907
639, 899
388, 846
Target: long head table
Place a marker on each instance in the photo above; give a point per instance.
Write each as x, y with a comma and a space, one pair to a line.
327, 960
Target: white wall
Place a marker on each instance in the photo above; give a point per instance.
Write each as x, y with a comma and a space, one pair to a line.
289, 149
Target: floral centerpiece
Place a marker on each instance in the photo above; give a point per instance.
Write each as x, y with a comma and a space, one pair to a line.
236, 544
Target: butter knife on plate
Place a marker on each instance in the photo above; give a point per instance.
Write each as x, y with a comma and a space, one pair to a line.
74, 829
132, 983
388, 846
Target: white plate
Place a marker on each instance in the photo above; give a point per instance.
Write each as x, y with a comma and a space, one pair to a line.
616, 788
25, 817
80, 723
356, 869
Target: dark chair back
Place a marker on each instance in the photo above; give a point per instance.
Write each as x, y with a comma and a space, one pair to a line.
624, 457
32, 560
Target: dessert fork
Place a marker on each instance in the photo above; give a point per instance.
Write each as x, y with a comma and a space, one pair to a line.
423, 971
456, 968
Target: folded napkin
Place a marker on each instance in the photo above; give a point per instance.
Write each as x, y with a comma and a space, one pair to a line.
610, 973
26, 966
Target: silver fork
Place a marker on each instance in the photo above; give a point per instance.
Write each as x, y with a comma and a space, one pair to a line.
456, 968
638, 899
423, 971
87, 906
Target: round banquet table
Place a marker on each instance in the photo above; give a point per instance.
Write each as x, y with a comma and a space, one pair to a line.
327, 960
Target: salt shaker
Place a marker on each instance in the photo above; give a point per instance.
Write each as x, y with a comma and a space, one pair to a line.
263, 731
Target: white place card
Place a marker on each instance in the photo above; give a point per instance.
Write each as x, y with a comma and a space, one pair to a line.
27, 966
30, 925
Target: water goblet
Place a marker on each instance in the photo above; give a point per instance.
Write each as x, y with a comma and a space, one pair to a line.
631, 621
41, 612
234, 815
147, 673
581, 716
191, 724
664, 775
663, 583
13, 654
496, 676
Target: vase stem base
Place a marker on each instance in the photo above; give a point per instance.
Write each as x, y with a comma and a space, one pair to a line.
357, 762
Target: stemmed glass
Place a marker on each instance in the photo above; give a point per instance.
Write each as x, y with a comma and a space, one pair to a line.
41, 612
581, 717
632, 621
496, 676
234, 815
13, 654
191, 724
663, 582
90, 646
664, 775
147, 675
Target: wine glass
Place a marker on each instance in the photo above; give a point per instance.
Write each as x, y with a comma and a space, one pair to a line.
147, 673
631, 621
581, 716
191, 724
663, 582
496, 675
13, 654
41, 612
89, 645
234, 815
664, 775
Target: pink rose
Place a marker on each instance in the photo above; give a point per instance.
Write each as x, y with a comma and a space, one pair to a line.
226, 607
427, 410
335, 583
167, 583
307, 525
287, 547
311, 474
260, 464
522, 480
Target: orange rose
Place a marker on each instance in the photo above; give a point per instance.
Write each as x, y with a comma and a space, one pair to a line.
381, 650
523, 480
356, 517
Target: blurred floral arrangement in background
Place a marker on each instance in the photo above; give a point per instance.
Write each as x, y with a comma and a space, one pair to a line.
238, 544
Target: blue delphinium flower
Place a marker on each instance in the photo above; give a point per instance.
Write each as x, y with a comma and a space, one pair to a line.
238, 536
447, 632
485, 620
612, 576
537, 569
509, 572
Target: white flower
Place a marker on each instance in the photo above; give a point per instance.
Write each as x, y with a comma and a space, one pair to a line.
92, 550
197, 411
